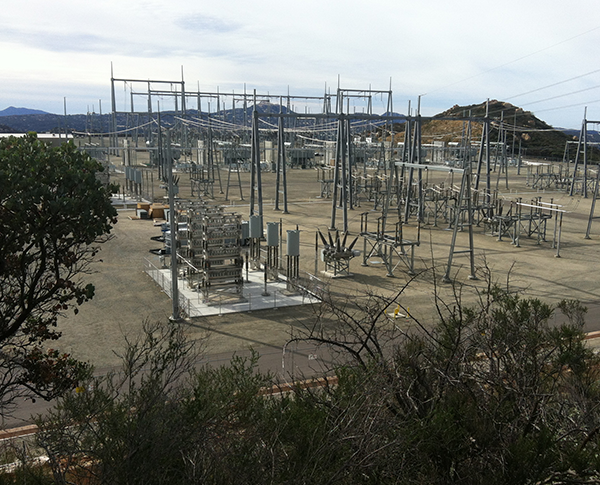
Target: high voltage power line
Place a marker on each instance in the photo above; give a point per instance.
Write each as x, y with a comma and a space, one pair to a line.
552, 85
511, 62
562, 95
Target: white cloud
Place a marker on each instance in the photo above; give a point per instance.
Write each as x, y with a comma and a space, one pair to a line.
458, 52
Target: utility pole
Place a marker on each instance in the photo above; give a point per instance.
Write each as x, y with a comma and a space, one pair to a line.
176, 316
65, 111
114, 138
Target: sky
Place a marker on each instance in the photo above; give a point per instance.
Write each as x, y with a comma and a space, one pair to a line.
540, 55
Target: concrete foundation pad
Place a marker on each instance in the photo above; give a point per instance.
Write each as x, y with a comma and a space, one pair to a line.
253, 296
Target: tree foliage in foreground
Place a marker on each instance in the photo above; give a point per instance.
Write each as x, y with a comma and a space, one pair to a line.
491, 394
53, 211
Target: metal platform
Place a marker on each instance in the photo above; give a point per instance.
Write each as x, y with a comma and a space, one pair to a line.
252, 297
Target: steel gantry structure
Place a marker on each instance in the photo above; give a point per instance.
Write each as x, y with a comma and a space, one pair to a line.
254, 131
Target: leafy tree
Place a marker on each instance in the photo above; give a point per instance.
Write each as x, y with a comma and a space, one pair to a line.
158, 420
128, 426
53, 212
490, 394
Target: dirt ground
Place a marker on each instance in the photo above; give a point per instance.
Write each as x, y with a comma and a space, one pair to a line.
126, 296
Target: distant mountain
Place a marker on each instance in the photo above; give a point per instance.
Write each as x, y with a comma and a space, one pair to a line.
592, 136
40, 123
11, 110
398, 117
536, 137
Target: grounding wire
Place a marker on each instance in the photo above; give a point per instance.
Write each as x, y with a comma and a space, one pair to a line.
220, 124
570, 106
87, 133
552, 85
511, 62
216, 123
562, 95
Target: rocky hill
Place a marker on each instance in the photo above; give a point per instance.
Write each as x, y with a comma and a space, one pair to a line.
535, 137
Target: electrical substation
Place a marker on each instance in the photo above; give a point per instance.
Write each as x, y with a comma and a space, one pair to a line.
267, 198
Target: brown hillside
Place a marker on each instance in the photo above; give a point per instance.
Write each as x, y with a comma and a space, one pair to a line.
535, 137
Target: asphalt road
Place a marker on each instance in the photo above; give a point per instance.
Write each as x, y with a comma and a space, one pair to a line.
293, 362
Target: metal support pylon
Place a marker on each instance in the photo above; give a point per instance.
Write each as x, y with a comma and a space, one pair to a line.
582, 142
281, 168
256, 182
464, 204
